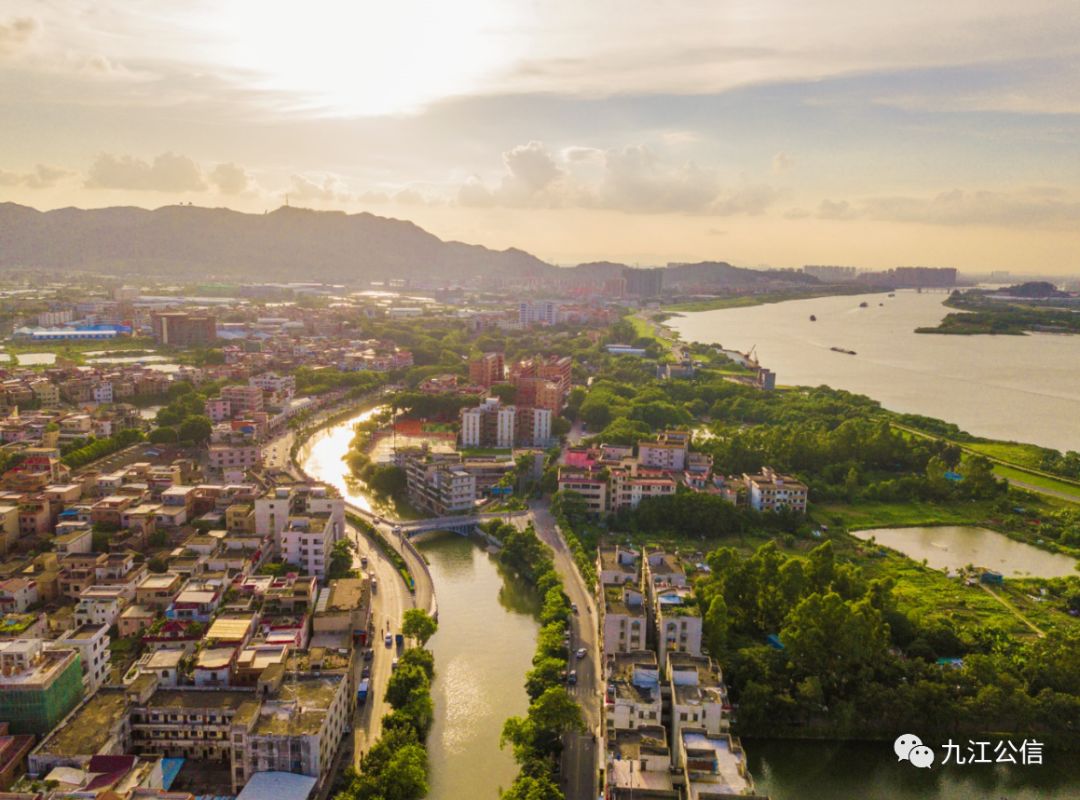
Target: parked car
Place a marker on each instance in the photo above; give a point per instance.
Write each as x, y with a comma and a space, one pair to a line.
572, 677
573, 607
388, 640
400, 639
368, 654
393, 665
365, 672
581, 653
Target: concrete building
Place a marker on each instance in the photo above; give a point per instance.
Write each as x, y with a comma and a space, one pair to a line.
243, 400
633, 698
487, 370
38, 687
304, 520
624, 623
491, 424
235, 456
538, 312
180, 329
676, 622
771, 491
699, 696
590, 483
92, 644
438, 483
667, 451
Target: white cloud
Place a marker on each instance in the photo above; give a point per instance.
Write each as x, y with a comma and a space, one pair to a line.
16, 34
168, 172
1037, 207
42, 177
320, 189
635, 178
782, 162
230, 178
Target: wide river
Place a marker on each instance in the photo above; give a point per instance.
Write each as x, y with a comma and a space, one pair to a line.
1018, 388
483, 648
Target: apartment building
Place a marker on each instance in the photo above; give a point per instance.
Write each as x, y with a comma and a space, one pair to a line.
771, 491
633, 698
624, 622
180, 329
668, 451
281, 386
639, 765
487, 370
676, 621
438, 483
92, 644
235, 456
38, 687
491, 424
699, 696
243, 400
591, 483
302, 517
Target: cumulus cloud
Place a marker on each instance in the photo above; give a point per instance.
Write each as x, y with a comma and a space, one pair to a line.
635, 178
325, 188
836, 209
229, 178
42, 177
781, 163
16, 33
166, 173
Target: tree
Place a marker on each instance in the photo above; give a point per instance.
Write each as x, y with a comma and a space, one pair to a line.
195, 429
163, 435
405, 682
715, 624
547, 672
533, 787
419, 625
341, 559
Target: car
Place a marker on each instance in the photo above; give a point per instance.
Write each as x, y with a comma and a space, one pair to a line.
572, 677
388, 640
581, 652
393, 665
573, 607
365, 672
368, 654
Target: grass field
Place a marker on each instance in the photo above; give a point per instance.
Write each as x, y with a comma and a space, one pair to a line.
1053, 484
900, 515
1024, 455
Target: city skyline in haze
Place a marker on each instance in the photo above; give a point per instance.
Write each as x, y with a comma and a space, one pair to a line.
757, 133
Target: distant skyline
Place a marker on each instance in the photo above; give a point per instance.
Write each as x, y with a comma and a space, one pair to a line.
757, 132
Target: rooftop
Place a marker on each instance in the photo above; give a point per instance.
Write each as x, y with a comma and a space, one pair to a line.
89, 728
197, 699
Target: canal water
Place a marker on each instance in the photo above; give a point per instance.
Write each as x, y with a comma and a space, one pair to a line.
1018, 388
953, 548
483, 648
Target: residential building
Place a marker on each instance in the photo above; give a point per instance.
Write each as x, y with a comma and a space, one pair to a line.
38, 687
639, 766
302, 517
538, 312
491, 424
633, 698
675, 622
624, 622
591, 483
712, 766
92, 644
243, 400
438, 483
771, 491
699, 697
235, 456
487, 370
667, 452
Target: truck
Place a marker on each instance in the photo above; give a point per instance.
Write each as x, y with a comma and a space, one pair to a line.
362, 691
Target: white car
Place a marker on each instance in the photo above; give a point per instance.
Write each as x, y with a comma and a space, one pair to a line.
581, 653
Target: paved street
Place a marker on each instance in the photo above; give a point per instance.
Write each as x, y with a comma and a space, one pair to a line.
579, 764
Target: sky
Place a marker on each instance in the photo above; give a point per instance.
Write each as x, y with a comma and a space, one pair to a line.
761, 132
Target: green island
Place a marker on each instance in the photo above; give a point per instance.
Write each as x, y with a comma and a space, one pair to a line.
1016, 311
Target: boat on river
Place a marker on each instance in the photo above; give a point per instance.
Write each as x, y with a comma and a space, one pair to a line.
843, 350
864, 304
813, 318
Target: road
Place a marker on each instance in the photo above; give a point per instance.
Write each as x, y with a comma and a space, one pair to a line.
579, 762
389, 603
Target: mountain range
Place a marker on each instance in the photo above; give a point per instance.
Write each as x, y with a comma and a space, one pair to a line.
288, 244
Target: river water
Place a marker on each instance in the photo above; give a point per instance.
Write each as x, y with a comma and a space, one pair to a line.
483, 648
953, 547
1018, 388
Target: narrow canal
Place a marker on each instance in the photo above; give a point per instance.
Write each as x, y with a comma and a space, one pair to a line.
487, 634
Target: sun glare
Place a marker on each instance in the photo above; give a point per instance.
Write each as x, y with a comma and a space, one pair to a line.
366, 58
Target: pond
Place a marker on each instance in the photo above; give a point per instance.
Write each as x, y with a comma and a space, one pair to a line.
954, 547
